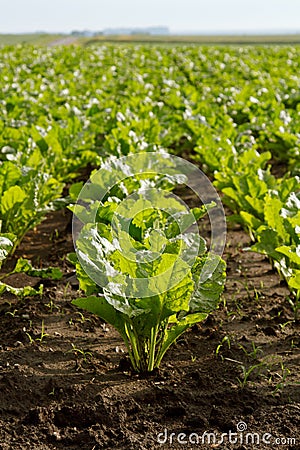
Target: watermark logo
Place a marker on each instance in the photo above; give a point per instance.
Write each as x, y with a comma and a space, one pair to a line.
141, 219
241, 436
241, 426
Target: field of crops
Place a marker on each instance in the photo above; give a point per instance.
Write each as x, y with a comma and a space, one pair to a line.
148, 330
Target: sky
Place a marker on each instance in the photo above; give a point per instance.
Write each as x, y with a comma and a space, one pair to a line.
244, 16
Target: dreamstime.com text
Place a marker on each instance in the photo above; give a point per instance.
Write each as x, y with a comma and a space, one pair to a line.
240, 436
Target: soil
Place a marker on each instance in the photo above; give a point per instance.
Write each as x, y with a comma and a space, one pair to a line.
72, 388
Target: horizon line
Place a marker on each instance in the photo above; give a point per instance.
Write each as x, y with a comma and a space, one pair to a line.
171, 32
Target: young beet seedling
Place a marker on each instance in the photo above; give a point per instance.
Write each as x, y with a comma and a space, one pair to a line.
155, 254
141, 262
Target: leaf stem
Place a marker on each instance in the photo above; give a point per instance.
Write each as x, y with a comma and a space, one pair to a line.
151, 356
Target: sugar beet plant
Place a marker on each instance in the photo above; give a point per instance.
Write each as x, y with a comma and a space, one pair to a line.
142, 263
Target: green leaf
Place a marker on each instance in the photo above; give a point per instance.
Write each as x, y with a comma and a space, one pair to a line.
251, 221
84, 214
125, 264
177, 330
294, 281
231, 193
72, 258
178, 298
75, 189
209, 274
286, 187
201, 212
25, 266
6, 245
169, 273
291, 252
268, 241
10, 174
86, 284
12, 197
26, 291
100, 307
273, 219
157, 241
256, 205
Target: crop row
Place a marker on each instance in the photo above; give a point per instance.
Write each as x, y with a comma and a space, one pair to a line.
68, 109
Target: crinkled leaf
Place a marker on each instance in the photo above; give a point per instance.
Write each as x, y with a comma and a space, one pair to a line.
25, 266
12, 197
209, 275
26, 291
272, 215
268, 241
